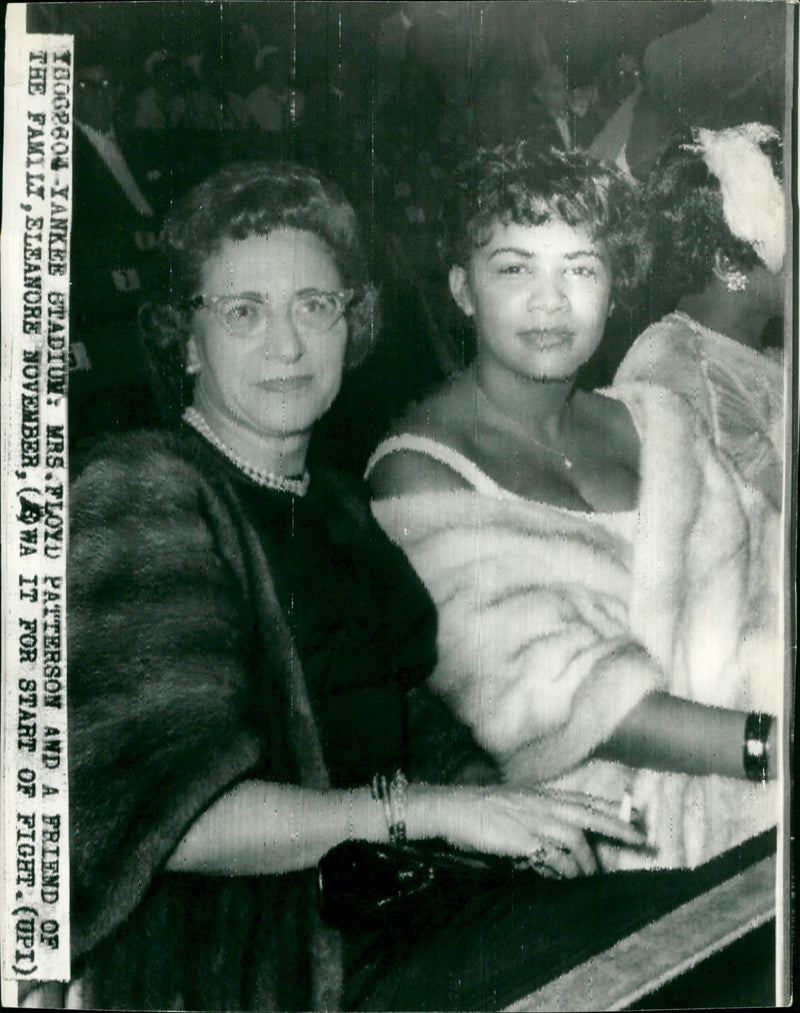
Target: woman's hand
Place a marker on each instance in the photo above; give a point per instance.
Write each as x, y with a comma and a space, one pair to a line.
545, 827
259, 828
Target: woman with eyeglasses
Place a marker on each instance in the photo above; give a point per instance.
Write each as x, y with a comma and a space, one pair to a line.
245, 644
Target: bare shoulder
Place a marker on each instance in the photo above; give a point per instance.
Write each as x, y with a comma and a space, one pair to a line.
405, 471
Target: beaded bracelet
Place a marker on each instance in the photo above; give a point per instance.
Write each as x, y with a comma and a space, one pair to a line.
392, 797
756, 747
397, 804
380, 792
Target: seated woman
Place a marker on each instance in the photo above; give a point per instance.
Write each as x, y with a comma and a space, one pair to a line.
717, 219
602, 582
245, 645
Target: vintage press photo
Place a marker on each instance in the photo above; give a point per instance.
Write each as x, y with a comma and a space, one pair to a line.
398, 493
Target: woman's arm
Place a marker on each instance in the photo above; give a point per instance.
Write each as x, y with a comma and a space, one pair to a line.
260, 828
664, 732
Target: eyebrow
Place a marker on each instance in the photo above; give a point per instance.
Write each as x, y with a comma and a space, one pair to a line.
519, 252
249, 294
582, 254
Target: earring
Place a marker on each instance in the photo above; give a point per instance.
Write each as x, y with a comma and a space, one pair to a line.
735, 280
193, 369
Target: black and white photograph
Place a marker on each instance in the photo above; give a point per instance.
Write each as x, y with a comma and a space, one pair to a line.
399, 466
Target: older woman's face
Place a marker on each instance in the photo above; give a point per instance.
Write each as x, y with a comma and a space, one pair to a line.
540, 296
261, 363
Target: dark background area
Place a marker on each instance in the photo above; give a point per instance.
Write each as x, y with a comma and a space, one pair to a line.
392, 92
582, 35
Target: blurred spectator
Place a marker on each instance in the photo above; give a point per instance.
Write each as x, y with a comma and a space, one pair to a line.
594, 105
610, 142
112, 245
550, 88
275, 105
210, 103
107, 196
519, 102
616, 80
161, 105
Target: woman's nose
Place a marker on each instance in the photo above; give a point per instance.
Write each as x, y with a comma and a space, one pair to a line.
282, 339
547, 292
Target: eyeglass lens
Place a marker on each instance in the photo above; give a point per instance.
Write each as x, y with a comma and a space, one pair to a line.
314, 311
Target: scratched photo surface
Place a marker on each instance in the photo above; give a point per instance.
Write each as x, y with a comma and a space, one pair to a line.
185, 594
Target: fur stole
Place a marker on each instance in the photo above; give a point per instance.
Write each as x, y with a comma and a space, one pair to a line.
182, 681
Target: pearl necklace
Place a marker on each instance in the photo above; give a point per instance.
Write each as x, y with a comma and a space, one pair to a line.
268, 479
520, 431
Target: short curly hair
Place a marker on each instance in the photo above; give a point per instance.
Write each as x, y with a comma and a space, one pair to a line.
685, 218
253, 199
523, 184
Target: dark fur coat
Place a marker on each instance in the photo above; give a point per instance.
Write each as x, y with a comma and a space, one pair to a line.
184, 680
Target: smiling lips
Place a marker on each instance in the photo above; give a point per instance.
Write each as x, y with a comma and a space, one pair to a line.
282, 384
546, 337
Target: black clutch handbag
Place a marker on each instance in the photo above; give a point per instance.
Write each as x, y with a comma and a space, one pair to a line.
369, 887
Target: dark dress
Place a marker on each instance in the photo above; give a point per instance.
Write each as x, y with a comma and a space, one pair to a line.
360, 627
190, 591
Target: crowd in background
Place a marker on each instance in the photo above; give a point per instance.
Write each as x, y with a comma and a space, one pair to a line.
151, 127
177, 116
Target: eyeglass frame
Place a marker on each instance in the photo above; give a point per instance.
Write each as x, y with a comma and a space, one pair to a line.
212, 302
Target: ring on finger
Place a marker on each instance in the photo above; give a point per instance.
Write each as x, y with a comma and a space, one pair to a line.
541, 859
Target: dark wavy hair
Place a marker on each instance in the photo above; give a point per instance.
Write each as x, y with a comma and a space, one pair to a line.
252, 199
685, 219
522, 184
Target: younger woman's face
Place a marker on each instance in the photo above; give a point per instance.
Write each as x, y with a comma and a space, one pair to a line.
540, 296
279, 376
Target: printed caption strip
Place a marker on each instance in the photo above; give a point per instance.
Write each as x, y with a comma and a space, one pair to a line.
37, 184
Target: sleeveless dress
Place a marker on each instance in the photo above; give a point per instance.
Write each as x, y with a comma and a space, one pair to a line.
555, 623
619, 523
